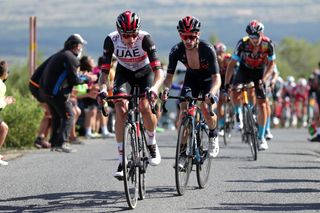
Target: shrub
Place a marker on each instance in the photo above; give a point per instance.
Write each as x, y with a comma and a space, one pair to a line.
23, 119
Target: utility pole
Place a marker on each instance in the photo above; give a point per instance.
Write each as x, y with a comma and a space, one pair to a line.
32, 44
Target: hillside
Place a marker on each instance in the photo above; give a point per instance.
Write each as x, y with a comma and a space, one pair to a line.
95, 19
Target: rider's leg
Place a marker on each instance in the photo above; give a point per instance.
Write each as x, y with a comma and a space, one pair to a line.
236, 100
220, 114
121, 109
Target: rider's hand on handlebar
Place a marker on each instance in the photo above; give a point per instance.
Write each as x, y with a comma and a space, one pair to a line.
151, 94
165, 94
210, 98
101, 97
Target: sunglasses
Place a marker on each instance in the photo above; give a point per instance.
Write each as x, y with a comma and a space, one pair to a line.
254, 36
129, 35
190, 37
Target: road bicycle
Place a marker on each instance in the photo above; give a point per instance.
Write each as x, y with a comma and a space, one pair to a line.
135, 158
250, 131
228, 117
192, 146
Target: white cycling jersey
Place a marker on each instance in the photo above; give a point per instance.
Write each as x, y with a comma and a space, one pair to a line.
132, 58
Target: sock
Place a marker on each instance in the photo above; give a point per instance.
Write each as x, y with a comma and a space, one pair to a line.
268, 124
151, 139
213, 133
221, 123
89, 131
120, 151
262, 131
104, 130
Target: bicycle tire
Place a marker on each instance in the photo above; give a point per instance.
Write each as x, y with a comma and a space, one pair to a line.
204, 166
143, 165
183, 162
251, 132
228, 120
130, 171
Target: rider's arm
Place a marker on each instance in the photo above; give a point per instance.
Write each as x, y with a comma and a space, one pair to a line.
213, 69
235, 58
270, 64
173, 61
150, 48
108, 49
231, 66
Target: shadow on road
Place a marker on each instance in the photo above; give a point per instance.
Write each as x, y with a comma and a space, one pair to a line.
272, 207
67, 200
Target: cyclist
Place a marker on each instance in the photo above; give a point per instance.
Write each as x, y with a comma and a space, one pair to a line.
202, 75
315, 86
138, 64
288, 97
256, 56
301, 92
223, 60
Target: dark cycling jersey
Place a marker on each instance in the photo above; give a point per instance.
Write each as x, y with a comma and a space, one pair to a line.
60, 74
250, 61
207, 57
252, 65
199, 80
143, 52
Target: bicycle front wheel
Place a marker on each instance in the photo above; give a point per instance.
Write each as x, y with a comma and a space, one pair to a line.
143, 165
204, 166
251, 132
130, 171
183, 164
228, 121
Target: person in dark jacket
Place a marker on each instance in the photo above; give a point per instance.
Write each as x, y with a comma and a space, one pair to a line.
57, 80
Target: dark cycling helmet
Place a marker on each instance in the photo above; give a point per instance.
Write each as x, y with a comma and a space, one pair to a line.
220, 47
188, 24
128, 22
254, 27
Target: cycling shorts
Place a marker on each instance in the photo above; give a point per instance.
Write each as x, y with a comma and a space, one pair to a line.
244, 76
124, 77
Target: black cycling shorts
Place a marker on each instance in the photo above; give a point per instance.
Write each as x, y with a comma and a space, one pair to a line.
198, 82
244, 76
124, 77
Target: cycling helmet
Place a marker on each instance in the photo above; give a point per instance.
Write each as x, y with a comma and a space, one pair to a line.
220, 47
188, 24
303, 82
128, 22
290, 79
254, 27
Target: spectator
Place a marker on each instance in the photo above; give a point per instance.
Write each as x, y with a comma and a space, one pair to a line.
4, 100
45, 123
56, 83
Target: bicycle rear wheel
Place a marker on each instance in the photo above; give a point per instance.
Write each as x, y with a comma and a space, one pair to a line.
183, 164
204, 166
251, 132
130, 171
143, 166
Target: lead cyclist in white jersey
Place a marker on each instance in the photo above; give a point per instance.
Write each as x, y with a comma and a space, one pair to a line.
138, 64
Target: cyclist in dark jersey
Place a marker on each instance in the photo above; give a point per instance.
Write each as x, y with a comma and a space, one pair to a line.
138, 64
256, 56
202, 75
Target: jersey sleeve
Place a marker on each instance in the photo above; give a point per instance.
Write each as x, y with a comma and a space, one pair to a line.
238, 50
271, 52
173, 59
212, 59
108, 49
150, 48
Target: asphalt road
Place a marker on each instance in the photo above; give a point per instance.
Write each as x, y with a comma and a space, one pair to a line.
285, 178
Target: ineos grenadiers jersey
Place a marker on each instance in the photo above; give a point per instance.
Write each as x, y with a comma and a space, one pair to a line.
254, 61
134, 58
207, 56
